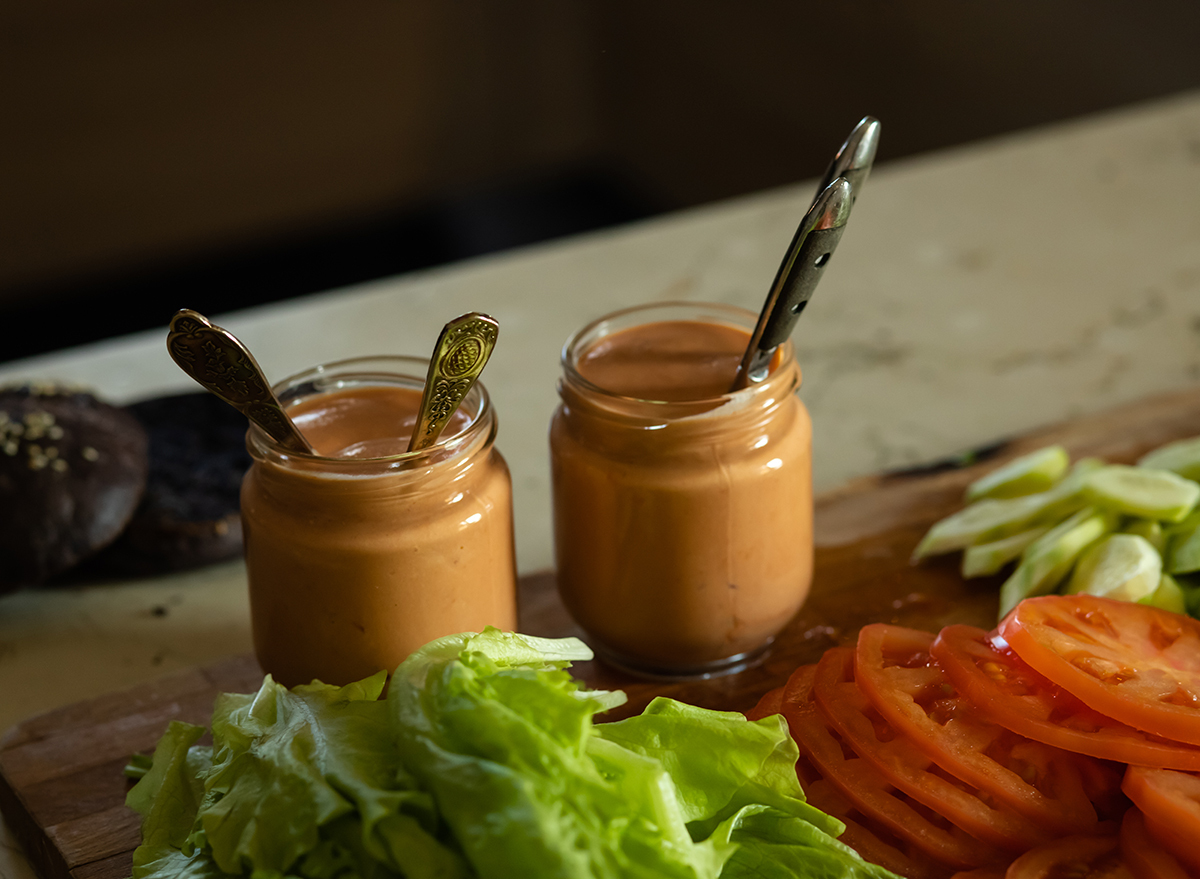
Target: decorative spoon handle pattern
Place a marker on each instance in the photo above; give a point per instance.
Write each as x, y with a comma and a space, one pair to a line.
461, 353
219, 362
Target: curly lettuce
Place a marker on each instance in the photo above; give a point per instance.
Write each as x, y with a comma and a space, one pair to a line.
484, 760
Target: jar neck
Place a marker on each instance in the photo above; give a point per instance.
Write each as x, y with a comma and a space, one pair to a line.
453, 450
755, 403
747, 408
441, 460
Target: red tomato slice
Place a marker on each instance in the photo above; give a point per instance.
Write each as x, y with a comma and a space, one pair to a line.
899, 759
1144, 855
770, 703
1135, 663
1095, 857
893, 668
1170, 802
1015, 696
869, 792
865, 835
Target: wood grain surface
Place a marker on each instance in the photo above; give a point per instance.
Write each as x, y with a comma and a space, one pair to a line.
61, 787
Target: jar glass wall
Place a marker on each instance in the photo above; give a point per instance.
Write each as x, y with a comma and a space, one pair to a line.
355, 561
683, 526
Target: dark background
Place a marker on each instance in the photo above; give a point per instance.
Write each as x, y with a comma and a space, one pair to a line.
224, 153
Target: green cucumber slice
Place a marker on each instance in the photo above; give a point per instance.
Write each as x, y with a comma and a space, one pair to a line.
986, 559
991, 519
1140, 491
1029, 474
1191, 592
1169, 596
1150, 529
1121, 566
1049, 559
1181, 456
1182, 555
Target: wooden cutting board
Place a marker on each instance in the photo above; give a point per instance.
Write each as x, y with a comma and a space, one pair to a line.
61, 787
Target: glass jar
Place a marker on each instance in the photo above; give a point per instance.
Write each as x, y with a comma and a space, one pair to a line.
682, 527
354, 562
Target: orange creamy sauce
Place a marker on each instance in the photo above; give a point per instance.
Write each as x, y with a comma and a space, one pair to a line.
352, 567
672, 361
691, 542
367, 422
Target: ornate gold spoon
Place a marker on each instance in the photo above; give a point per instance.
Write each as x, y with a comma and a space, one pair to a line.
461, 353
216, 359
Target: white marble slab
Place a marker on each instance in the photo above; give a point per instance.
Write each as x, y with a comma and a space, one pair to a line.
978, 292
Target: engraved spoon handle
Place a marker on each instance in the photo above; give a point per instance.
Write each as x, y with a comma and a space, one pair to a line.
461, 353
219, 362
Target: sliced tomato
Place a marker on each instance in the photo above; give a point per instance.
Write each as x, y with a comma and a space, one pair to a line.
893, 668
1012, 694
770, 703
1143, 854
869, 792
899, 759
1170, 802
1135, 663
982, 873
865, 835
1095, 857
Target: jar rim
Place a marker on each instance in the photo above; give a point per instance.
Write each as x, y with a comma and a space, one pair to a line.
481, 414
731, 315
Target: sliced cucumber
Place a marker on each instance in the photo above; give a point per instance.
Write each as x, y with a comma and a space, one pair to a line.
1191, 592
1029, 474
1169, 596
1140, 491
1120, 566
1181, 456
1182, 555
991, 519
1049, 559
986, 559
1150, 529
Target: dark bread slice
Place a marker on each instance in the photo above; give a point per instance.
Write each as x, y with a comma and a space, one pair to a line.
72, 471
190, 513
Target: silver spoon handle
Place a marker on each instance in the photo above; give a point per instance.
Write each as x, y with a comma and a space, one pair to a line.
855, 158
798, 275
219, 362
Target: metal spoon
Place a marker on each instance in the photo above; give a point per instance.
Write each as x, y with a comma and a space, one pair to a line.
810, 250
855, 157
216, 359
461, 353
798, 276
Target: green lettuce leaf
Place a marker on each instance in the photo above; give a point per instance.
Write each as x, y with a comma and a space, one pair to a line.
720, 761
168, 797
771, 844
286, 763
484, 760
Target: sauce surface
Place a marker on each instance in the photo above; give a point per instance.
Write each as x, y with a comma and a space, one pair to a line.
366, 422
671, 361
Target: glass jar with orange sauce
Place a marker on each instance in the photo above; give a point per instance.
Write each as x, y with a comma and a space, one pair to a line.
682, 511
360, 554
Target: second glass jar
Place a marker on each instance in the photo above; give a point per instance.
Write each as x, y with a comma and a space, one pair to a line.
682, 512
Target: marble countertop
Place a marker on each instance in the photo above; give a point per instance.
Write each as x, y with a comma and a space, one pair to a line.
977, 293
